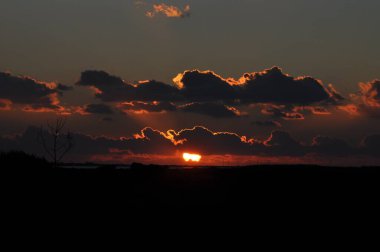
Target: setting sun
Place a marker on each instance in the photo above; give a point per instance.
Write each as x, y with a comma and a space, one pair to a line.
191, 157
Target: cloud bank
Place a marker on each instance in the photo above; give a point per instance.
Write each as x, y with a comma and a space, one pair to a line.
273, 92
202, 140
206, 92
268, 86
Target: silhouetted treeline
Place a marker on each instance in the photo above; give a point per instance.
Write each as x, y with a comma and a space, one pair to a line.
18, 160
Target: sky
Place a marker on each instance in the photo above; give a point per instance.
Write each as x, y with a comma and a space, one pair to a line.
285, 80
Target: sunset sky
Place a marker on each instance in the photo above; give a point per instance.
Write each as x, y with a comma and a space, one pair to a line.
237, 81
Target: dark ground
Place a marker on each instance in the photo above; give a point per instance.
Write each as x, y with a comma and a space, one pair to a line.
280, 206
33, 182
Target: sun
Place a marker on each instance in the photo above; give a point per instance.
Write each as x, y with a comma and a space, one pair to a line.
188, 157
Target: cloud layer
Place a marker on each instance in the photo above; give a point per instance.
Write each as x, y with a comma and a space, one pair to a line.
201, 140
269, 86
272, 92
254, 97
206, 92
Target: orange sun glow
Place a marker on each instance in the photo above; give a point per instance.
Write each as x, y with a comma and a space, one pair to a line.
191, 157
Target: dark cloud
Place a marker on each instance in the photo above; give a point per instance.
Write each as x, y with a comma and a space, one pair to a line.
108, 87
205, 86
113, 89
273, 86
98, 109
269, 86
33, 94
100, 79
207, 93
281, 143
331, 146
156, 91
216, 110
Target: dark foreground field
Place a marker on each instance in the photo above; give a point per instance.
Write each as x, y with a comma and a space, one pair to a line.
260, 187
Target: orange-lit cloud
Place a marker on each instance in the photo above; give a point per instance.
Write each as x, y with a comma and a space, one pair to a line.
169, 11
52, 105
282, 111
335, 95
370, 93
351, 109
315, 110
365, 102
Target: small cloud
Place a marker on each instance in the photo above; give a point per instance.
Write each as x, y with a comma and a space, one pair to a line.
315, 110
366, 101
370, 93
281, 111
169, 11
351, 109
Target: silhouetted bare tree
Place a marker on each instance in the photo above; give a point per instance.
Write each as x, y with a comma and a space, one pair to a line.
56, 143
